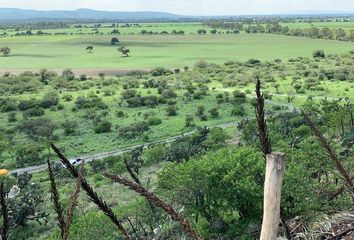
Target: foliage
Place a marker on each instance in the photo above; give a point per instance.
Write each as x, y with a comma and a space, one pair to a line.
223, 187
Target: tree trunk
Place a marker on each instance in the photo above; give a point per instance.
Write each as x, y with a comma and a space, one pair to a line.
272, 195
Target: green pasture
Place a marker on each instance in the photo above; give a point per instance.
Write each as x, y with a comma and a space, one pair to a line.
333, 25
152, 51
106, 28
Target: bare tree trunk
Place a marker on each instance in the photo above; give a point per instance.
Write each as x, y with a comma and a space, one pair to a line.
272, 195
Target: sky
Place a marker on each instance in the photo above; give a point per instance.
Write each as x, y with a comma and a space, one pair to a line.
191, 7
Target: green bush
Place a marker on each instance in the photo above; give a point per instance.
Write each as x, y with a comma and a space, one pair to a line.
34, 112
103, 127
229, 181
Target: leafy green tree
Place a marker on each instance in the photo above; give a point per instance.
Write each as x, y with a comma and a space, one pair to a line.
318, 54
222, 190
171, 110
297, 87
68, 74
189, 122
50, 99
341, 34
27, 154
5, 51
214, 112
115, 32
217, 138
39, 128
69, 127
103, 127
24, 207
89, 49
114, 41
123, 50
202, 32
44, 75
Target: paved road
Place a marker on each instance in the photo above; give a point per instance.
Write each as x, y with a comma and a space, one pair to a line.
117, 152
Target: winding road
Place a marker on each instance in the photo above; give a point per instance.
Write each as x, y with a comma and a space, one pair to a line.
120, 151
117, 152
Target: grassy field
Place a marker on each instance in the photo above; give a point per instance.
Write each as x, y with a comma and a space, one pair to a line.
188, 28
152, 51
333, 25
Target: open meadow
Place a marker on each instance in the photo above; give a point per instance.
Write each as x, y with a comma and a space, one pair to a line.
59, 52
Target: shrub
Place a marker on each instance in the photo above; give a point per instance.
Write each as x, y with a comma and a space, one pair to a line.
11, 117
134, 102
168, 93
214, 112
150, 101
83, 77
68, 74
103, 127
28, 104
120, 114
133, 130
318, 54
50, 99
154, 121
34, 112
171, 110
69, 127
155, 155
92, 101
128, 94
231, 180
39, 128
201, 64
240, 111
8, 105
160, 71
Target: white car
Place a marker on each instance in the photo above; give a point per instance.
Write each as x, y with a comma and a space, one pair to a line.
74, 162
77, 161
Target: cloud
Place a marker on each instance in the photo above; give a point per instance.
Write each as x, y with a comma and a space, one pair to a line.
190, 7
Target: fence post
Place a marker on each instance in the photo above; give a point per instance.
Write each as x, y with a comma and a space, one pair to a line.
272, 195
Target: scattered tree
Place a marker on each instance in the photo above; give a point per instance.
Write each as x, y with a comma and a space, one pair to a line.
125, 51
114, 41
89, 49
5, 51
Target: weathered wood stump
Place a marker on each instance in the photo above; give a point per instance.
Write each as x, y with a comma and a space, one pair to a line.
272, 195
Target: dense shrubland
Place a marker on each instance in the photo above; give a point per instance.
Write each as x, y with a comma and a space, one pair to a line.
212, 176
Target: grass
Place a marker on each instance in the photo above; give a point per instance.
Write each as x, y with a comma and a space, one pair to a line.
152, 51
333, 25
187, 27
87, 142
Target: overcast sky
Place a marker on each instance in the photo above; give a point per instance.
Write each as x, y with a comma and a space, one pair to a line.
191, 7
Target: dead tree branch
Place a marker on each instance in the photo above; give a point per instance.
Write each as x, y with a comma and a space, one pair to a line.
153, 199
91, 193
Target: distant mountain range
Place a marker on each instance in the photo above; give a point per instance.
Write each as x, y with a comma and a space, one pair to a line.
16, 14
79, 14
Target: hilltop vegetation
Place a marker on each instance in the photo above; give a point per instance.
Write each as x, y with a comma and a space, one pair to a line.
184, 129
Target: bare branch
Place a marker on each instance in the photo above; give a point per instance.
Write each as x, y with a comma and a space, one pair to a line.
5, 213
153, 199
91, 193
73, 202
262, 125
55, 199
330, 151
